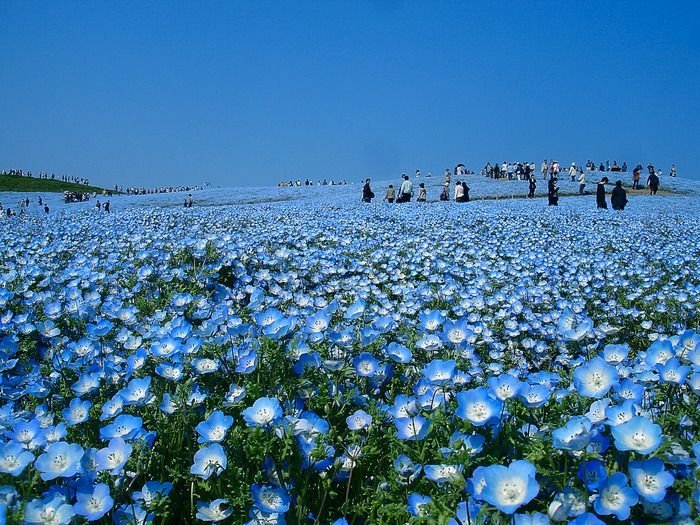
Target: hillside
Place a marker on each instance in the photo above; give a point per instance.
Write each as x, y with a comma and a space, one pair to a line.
30, 184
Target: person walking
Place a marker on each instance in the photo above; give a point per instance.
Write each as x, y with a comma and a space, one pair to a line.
618, 197
652, 181
600, 194
543, 168
390, 194
572, 171
553, 192
406, 190
636, 175
367, 193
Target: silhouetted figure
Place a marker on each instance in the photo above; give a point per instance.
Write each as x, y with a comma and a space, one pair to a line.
600, 194
618, 197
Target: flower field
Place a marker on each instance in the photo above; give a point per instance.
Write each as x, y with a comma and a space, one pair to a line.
324, 362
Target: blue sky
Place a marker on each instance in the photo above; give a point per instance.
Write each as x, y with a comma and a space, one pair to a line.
249, 93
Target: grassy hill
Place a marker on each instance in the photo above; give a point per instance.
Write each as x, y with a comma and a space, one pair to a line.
27, 184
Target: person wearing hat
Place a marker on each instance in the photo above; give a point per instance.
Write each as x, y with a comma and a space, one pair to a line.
618, 197
600, 194
572, 171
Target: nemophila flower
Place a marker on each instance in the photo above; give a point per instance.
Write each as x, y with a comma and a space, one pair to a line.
114, 456
52, 510
29, 434
318, 322
615, 497
439, 372
77, 411
509, 488
429, 342
112, 408
431, 320
467, 513
86, 384
214, 511
569, 327
52, 434
418, 505
359, 420
596, 412
246, 363
166, 348
264, 412
124, 426
567, 503
638, 434
132, 515
136, 392
456, 332
443, 473
592, 473
61, 460
574, 436
135, 361
478, 407
618, 414
365, 364
673, 372
355, 310
270, 499
534, 396
650, 479
94, 503
630, 390
168, 404
209, 461
169, 371
196, 396
14, 458
586, 519
151, 492
536, 518
595, 378
204, 365
214, 428
659, 352
414, 428
406, 470
616, 354
398, 352
504, 386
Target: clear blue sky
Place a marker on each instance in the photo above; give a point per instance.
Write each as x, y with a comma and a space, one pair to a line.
248, 93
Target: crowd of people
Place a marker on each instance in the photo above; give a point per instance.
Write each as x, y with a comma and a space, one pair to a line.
44, 175
309, 182
152, 191
23, 206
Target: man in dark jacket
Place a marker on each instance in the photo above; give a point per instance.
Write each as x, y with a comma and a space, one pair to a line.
618, 197
600, 194
367, 193
553, 192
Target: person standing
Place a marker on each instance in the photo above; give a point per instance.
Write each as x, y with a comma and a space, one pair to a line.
406, 190
581, 182
445, 192
422, 195
572, 171
600, 194
652, 181
672, 173
532, 184
367, 193
543, 168
636, 175
465, 191
459, 192
618, 197
553, 192
390, 194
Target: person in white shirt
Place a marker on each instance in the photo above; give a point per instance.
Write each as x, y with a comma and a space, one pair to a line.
581, 182
459, 192
406, 190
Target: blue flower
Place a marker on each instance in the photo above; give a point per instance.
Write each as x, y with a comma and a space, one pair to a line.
136, 392
673, 372
504, 386
586, 519
209, 461
638, 434
264, 412
569, 330
270, 499
615, 497
650, 479
418, 505
398, 352
28, 433
113, 457
54, 506
595, 378
214, 511
443, 473
77, 411
61, 460
431, 320
439, 372
574, 436
509, 488
124, 426
412, 428
592, 473
534, 396
478, 407
214, 428
14, 458
406, 469
94, 503
359, 420
365, 364
355, 310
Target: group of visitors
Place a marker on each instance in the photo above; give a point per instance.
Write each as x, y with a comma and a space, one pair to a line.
73, 196
309, 182
509, 170
23, 206
44, 175
153, 191
106, 206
